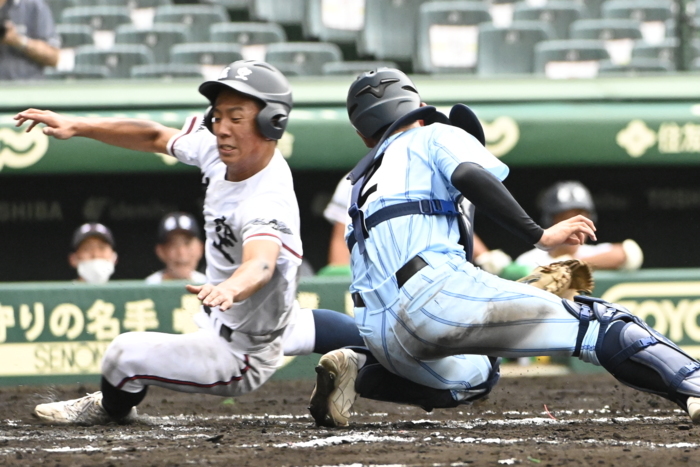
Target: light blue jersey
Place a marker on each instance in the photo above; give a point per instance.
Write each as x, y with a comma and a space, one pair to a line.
417, 165
437, 327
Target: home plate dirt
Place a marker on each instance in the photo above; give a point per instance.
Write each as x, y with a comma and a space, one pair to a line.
571, 420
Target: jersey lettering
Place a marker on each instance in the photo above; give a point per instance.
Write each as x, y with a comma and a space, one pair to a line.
226, 237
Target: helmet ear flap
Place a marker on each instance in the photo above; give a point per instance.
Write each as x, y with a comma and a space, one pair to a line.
209, 119
272, 121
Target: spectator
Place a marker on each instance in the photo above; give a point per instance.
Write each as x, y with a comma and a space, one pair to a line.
93, 254
567, 199
28, 39
180, 248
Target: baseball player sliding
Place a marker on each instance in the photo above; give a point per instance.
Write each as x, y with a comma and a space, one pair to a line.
419, 303
253, 249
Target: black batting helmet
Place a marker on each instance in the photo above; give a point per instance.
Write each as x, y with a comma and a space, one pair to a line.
564, 196
378, 98
261, 81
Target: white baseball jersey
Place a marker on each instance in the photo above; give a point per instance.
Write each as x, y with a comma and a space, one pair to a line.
235, 351
337, 209
537, 257
263, 206
449, 308
157, 278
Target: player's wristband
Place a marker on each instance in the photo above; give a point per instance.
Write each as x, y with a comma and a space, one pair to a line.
633, 255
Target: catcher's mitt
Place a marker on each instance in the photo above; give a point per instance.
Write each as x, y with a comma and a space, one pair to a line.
565, 278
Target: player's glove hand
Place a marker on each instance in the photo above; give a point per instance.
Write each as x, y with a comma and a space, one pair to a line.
564, 279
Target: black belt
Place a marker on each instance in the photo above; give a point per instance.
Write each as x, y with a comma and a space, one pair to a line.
406, 271
224, 331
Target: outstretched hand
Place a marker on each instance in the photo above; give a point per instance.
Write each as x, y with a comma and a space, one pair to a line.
572, 231
58, 126
212, 295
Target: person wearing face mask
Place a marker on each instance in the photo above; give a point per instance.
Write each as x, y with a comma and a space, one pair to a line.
180, 248
93, 254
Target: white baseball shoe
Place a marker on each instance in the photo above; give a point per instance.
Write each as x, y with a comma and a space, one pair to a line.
84, 411
694, 409
334, 393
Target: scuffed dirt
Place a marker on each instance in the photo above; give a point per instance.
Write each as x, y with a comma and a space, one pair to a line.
592, 420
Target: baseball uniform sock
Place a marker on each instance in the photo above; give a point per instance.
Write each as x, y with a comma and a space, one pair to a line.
335, 330
118, 403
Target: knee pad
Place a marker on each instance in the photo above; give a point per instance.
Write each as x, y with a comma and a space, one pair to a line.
634, 353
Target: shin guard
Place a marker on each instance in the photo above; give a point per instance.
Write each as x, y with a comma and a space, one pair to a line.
633, 352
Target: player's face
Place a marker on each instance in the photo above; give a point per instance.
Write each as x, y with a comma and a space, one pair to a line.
181, 254
562, 216
92, 248
241, 146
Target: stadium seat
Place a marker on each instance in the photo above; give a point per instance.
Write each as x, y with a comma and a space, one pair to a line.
206, 53
74, 35
574, 58
79, 72
167, 71
654, 15
559, 13
253, 37
636, 66
148, 3
389, 33
198, 18
57, 7
447, 36
303, 58
510, 50
339, 22
619, 35
695, 65
160, 38
97, 17
354, 68
290, 12
119, 59
665, 50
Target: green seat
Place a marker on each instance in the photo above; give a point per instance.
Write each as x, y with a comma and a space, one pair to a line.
79, 72
447, 36
559, 13
389, 32
326, 24
119, 59
160, 38
510, 50
206, 53
354, 68
606, 29
289, 12
636, 66
303, 58
167, 71
74, 35
198, 18
581, 56
666, 50
57, 7
245, 33
639, 10
97, 17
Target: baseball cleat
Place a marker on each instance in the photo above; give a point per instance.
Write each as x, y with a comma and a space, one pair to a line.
334, 393
694, 409
84, 411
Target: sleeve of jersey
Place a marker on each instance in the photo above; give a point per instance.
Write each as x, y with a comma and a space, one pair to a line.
452, 146
264, 228
192, 144
337, 209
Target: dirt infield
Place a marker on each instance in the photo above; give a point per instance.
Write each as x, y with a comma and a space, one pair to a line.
591, 420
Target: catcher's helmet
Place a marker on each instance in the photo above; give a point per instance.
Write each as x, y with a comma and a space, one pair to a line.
261, 81
563, 196
378, 98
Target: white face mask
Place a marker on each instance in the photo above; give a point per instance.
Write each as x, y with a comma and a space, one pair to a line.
96, 271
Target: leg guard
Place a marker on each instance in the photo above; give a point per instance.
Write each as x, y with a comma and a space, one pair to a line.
377, 383
633, 352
